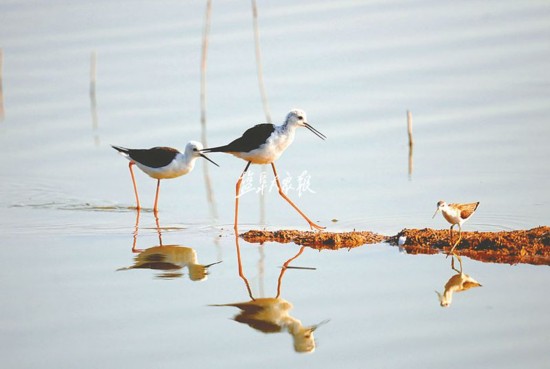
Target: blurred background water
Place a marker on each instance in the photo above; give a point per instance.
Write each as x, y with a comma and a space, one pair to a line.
475, 77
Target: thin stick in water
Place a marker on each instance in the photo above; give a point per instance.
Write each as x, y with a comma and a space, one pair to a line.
410, 128
93, 99
259, 66
411, 141
263, 93
204, 58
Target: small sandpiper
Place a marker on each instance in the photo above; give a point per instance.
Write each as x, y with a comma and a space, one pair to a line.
456, 214
162, 163
263, 144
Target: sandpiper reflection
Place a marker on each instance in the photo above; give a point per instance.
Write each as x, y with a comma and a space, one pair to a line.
170, 259
457, 283
272, 314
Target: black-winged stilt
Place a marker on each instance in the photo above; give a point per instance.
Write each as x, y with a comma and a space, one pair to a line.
162, 163
263, 144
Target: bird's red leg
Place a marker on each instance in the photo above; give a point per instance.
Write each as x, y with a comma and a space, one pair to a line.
311, 224
136, 229
138, 207
158, 228
237, 191
155, 208
240, 265
284, 268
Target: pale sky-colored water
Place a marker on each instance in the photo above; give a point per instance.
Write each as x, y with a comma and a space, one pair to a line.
474, 75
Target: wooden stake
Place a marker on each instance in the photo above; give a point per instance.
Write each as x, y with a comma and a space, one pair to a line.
411, 141
203, 90
410, 128
263, 95
93, 79
259, 68
93, 100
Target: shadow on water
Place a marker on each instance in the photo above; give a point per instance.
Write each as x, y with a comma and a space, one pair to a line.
170, 259
272, 314
459, 282
80, 207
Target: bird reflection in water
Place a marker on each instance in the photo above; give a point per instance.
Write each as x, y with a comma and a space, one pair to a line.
170, 259
272, 314
457, 283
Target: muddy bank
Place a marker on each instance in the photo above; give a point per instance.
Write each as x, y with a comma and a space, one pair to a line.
512, 247
316, 240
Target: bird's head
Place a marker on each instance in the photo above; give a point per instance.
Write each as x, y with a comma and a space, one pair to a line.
441, 205
194, 148
304, 341
298, 118
199, 272
444, 301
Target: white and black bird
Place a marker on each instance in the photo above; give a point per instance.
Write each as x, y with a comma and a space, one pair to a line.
263, 144
162, 163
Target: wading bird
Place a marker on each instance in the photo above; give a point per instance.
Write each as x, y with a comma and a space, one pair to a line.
263, 144
456, 214
162, 163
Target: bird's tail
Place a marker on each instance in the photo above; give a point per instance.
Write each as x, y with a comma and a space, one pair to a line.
215, 149
120, 149
124, 268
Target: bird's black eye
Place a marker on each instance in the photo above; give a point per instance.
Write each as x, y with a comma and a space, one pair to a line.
195, 149
300, 117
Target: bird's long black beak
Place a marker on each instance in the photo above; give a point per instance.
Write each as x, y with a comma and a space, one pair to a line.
317, 133
314, 327
209, 265
207, 158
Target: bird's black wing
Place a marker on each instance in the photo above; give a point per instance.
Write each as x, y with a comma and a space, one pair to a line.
251, 139
156, 157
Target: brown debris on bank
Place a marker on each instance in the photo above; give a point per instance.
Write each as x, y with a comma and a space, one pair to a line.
316, 240
511, 247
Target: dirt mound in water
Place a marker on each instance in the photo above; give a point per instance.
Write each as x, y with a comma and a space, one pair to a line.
317, 240
512, 247
522, 246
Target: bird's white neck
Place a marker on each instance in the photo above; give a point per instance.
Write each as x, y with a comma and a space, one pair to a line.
287, 130
447, 296
184, 163
187, 159
287, 127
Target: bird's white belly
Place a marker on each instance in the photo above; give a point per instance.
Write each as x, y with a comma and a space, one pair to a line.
452, 217
269, 151
172, 170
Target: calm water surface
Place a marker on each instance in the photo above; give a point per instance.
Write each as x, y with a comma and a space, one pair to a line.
475, 77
